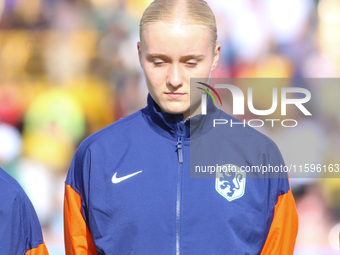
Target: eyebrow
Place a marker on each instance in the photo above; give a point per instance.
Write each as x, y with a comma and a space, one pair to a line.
163, 56
156, 55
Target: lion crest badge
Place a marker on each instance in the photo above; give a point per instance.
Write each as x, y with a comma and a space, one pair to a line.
230, 182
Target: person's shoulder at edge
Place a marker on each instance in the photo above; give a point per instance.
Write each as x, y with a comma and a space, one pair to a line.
13, 202
9, 185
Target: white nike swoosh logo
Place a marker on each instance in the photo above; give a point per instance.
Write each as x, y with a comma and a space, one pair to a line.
118, 180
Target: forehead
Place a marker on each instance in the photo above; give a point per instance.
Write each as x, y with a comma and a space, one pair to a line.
176, 38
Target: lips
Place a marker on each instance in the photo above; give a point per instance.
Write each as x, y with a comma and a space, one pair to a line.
175, 95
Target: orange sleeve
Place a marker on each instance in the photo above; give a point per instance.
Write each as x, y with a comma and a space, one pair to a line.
40, 250
78, 239
284, 227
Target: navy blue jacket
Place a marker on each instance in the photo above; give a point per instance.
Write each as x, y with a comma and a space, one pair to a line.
132, 189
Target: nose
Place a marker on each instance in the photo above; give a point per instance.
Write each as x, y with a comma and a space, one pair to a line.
175, 76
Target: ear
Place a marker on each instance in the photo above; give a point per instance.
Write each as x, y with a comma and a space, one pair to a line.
139, 48
216, 56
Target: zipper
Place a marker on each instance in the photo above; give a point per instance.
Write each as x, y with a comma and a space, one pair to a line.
179, 147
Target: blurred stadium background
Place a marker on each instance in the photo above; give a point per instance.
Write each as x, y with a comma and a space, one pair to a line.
70, 67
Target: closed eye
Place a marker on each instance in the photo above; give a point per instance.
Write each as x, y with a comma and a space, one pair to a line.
158, 63
191, 64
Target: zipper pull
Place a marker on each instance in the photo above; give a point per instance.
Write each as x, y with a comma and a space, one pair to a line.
179, 147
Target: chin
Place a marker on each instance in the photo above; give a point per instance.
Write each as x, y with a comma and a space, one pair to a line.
175, 110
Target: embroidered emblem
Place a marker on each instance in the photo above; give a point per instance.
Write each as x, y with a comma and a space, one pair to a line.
230, 182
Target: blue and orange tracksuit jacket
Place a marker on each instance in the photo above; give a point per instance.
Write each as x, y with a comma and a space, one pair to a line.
130, 190
20, 231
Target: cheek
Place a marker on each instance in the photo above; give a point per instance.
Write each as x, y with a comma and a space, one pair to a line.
195, 94
154, 77
206, 67
203, 70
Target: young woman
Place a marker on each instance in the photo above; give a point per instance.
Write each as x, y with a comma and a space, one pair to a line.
129, 191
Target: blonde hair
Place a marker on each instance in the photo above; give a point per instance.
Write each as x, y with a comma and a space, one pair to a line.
190, 12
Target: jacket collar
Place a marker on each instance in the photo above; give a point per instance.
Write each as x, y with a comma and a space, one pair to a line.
173, 125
